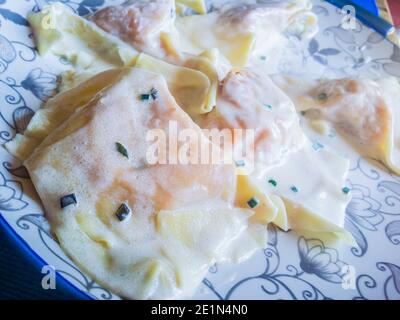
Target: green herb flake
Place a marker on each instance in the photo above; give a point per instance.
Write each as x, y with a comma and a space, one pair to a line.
123, 212
346, 190
294, 189
67, 200
239, 163
253, 202
122, 150
144, 97
322, 96
154, 94
263, 58
303, 113
272, 182
268, 106
317, 146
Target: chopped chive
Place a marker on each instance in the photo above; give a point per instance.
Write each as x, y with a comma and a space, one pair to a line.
263, 57
239, 163
273, 182
294, 189
253, 202
122, 150
154, 93
322, 96
303, 113
144, 96
123, 212
67, 200
268, 106
317, 146
332, 134
346, 190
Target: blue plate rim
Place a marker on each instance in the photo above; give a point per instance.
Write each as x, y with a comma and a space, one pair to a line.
39, 262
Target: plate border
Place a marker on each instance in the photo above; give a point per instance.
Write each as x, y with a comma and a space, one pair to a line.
39, 262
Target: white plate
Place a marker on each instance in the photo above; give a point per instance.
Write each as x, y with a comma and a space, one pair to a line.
292, 267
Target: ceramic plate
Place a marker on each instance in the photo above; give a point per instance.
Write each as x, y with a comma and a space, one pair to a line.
292, 267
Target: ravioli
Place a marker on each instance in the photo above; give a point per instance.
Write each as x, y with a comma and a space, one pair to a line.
364, 111
56, 110
146, 25
192, 89
240, 31
284, 162
149, 27
248, 99
88, 167
58, 30
91, 51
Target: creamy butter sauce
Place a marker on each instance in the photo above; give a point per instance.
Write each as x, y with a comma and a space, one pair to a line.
244, 33
313, 179
268, 22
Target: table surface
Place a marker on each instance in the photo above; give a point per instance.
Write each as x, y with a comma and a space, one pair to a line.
21, 279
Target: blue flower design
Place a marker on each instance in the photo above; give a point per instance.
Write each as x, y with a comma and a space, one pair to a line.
362, 213
364, 210
42, 84
317, 259
10, 198
320, 55
393, 293
89, 6
13, 16
391, 189
82, 8
36, 219
392, 231
21, 117
7, 53
18, 171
